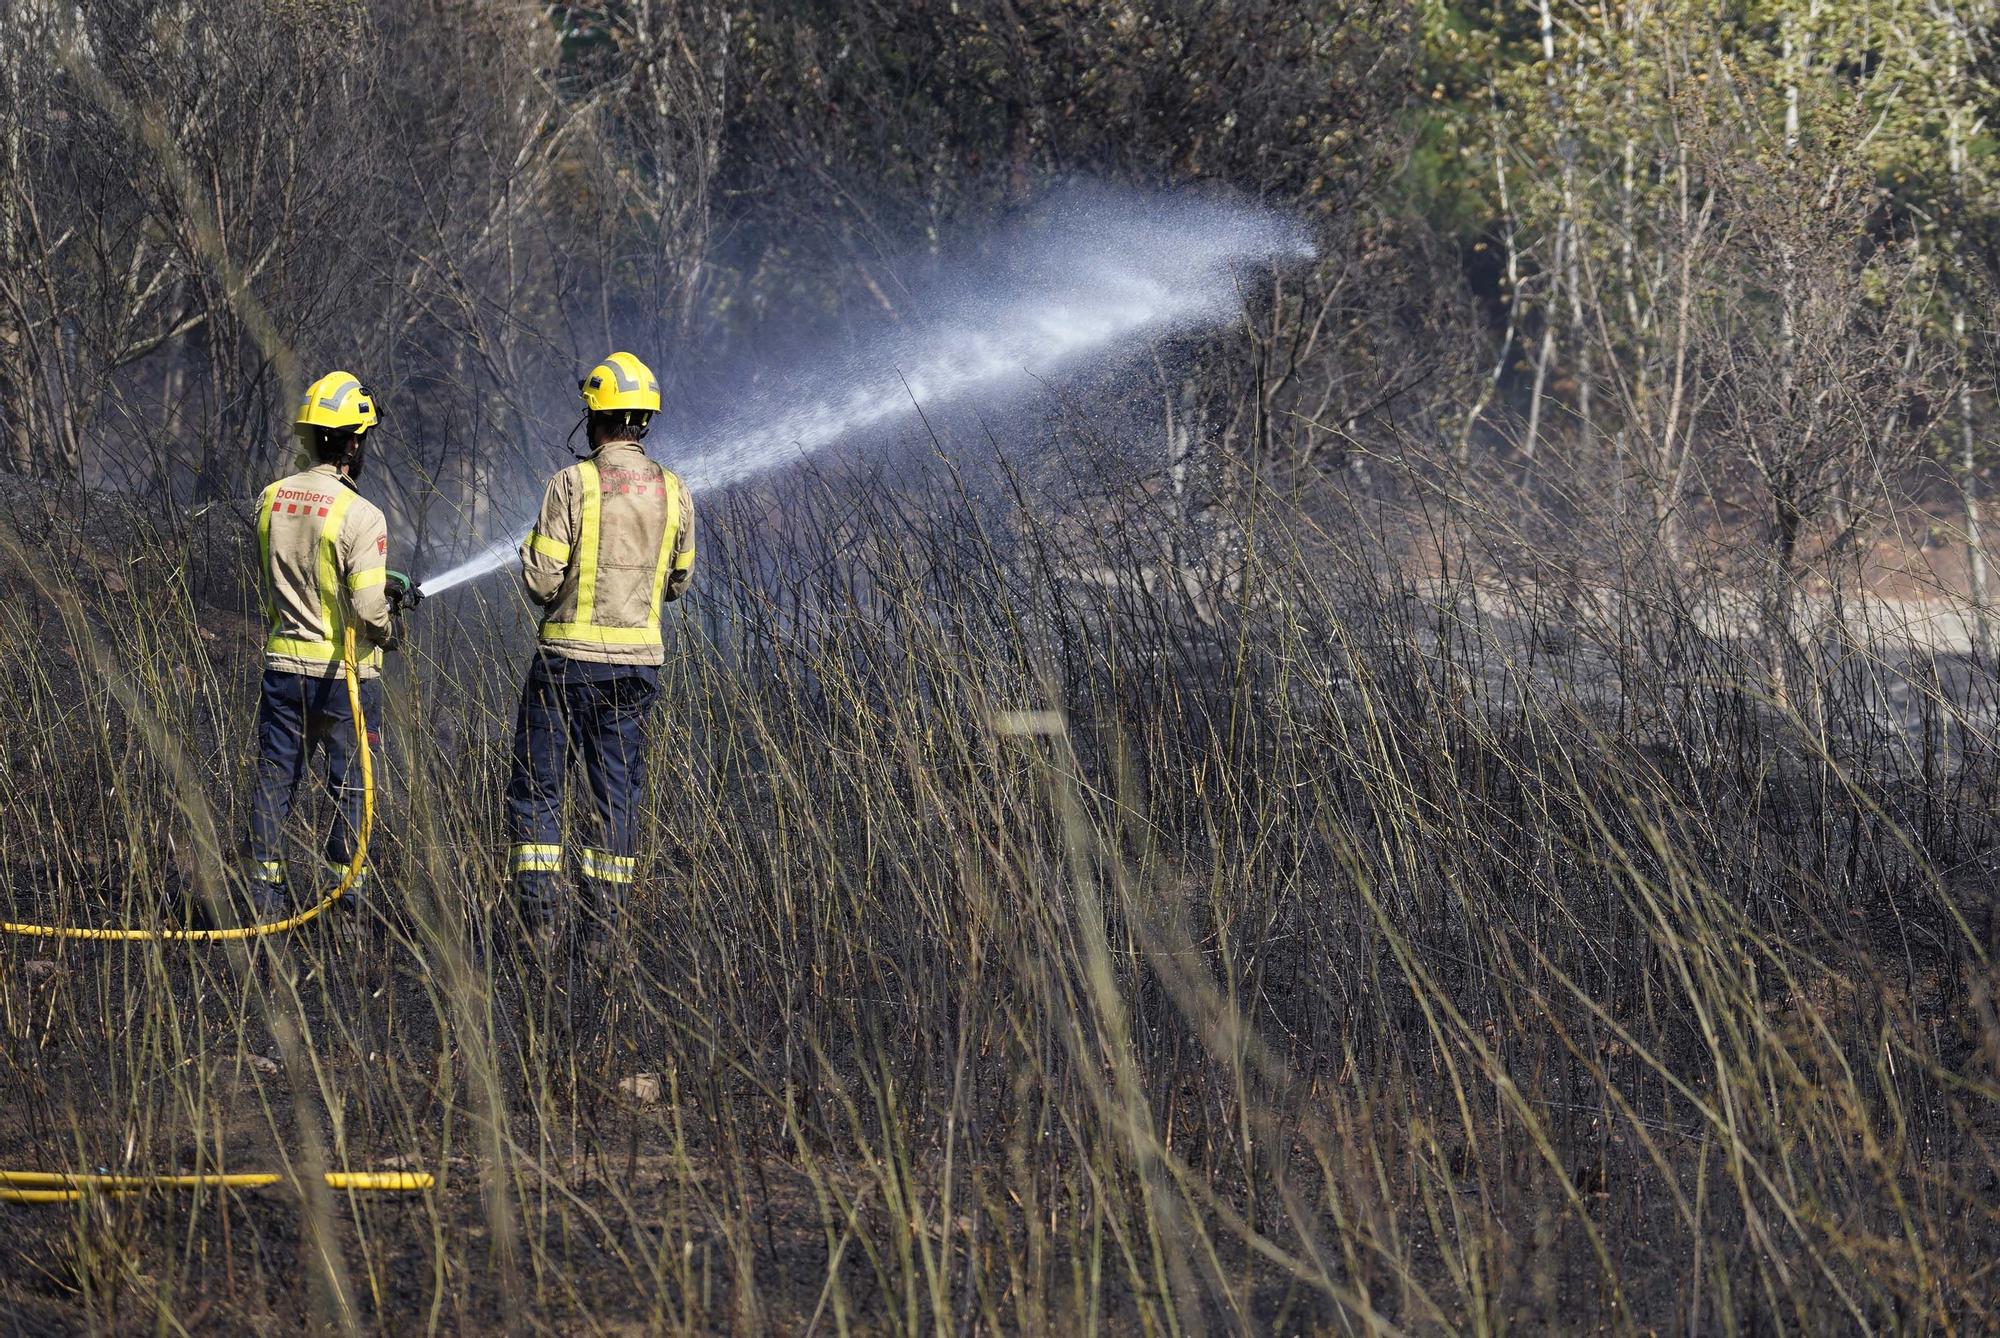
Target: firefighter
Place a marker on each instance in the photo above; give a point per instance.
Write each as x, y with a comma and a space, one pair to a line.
614, 541
323, 551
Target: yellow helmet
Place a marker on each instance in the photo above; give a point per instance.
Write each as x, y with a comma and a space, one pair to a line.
621, 381
337, 400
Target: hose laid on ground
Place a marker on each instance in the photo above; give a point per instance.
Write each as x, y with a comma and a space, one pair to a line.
63, 1187
66, 1187
350, 667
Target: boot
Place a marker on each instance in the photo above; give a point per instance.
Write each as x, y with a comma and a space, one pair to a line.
270, 896
268, 903
544, 935
603, 919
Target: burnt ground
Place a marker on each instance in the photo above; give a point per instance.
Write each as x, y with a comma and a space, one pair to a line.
853, 1071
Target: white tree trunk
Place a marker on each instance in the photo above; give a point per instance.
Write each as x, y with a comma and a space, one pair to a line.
1968, 492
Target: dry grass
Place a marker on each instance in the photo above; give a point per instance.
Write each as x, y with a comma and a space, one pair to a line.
1293, 950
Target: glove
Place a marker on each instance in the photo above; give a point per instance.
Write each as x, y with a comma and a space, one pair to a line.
402, 593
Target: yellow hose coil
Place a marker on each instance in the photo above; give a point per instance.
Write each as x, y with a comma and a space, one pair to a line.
349, 667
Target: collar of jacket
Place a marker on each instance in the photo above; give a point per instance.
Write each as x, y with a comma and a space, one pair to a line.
610, 446
333, 471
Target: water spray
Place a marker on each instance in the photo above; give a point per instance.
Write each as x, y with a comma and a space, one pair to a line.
1090, 283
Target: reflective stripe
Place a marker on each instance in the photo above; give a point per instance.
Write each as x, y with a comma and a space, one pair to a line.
329, 565
340, 871
268, 871
609, 868
664, 562
340, 394
530, 858
683, 524
628, 383
361, 580
267, 589
603, 636
299, 649
588, 542
552, 549
295, 648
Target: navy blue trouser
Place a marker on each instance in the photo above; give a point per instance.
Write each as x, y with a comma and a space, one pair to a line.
574, 707
296, 714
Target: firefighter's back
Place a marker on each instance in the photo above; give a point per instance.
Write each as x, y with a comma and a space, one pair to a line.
620, 524
633, 529
302, 522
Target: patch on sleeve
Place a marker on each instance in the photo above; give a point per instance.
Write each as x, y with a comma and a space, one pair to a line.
382, 545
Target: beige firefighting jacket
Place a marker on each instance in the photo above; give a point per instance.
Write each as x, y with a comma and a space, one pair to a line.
324, 552
614, 541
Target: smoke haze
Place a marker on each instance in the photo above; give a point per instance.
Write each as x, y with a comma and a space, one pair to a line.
1086, 282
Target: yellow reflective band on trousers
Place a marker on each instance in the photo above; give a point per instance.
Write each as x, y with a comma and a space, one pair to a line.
330, 602
269, 871
609, 868
586, 628
530, 858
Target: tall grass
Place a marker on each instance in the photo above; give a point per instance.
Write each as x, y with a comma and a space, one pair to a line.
1052, 918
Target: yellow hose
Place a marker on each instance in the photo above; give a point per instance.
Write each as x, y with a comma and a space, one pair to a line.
350, 669
63, 1187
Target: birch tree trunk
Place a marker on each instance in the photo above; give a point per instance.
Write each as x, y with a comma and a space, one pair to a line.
1510, 242
1968, 493
1968, 455
16, 403
1558, 267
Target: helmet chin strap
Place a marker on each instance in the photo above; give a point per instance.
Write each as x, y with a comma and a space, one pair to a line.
633, 432
354, 457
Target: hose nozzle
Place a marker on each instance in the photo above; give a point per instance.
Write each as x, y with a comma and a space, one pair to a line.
403, 593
